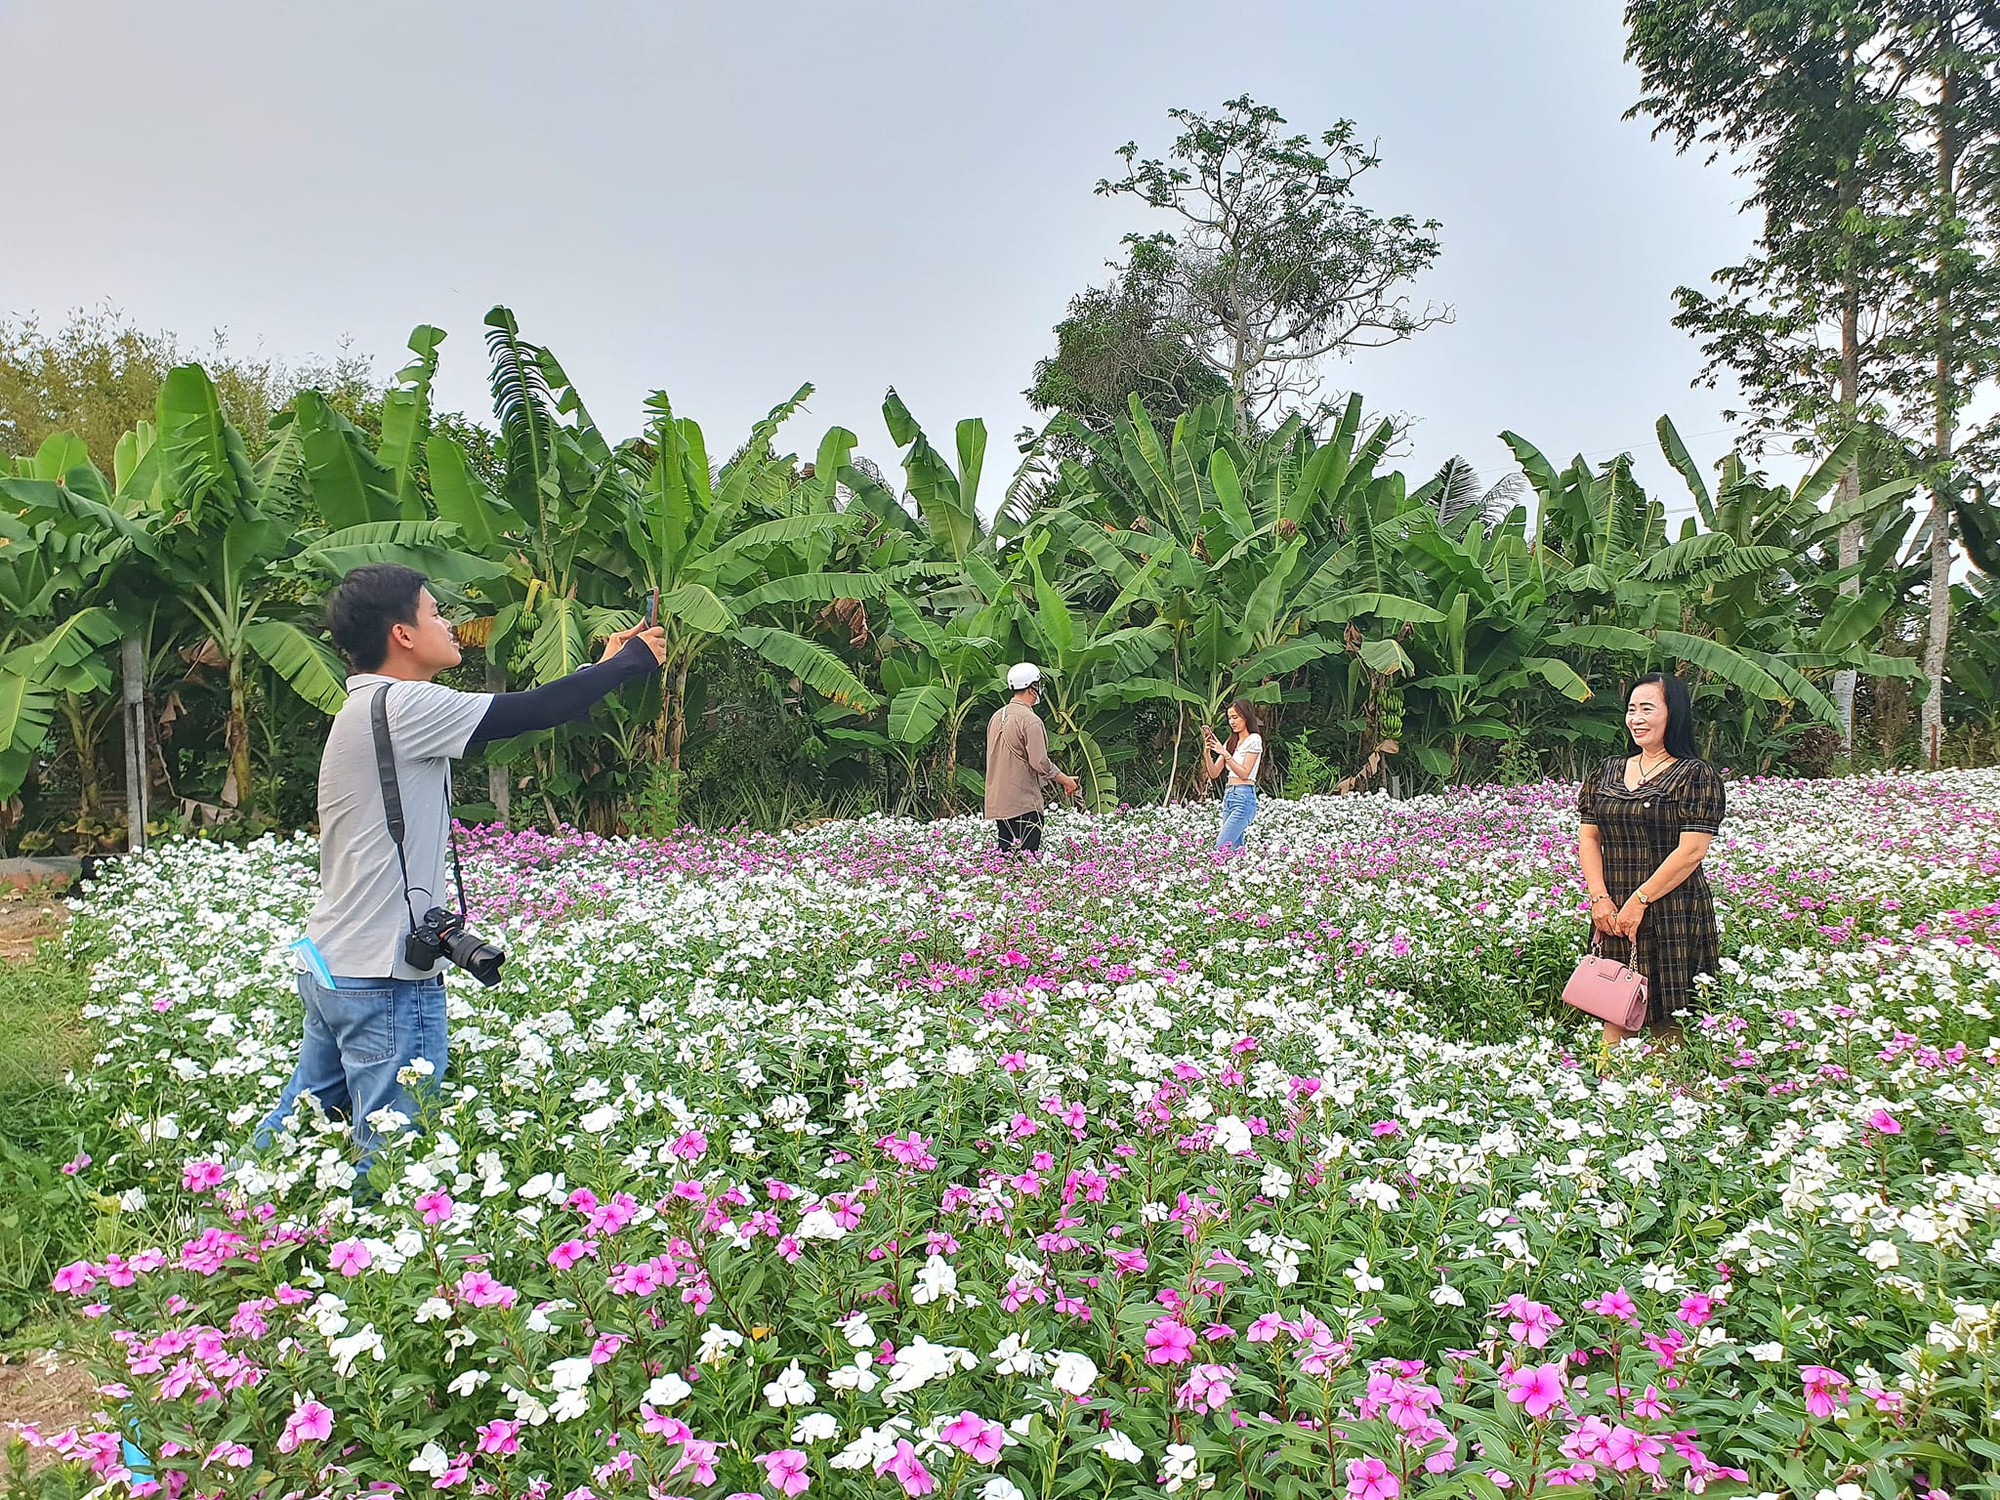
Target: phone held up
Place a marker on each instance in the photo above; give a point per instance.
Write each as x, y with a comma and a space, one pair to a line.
652, 608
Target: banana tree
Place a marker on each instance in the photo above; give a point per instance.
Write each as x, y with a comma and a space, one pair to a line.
711, 569
934, 672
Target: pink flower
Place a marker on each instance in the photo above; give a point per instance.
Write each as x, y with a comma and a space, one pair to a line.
1371, 1479
569, 1252
309, 1422
1628, 1450
235, 1455
1826, 1390
500, 1436
435, 1206
785, 1471
1169, 1342
1618, 1304
350, 1257
77, 1276
200, 1176
1537, 1387
1697, 1309
76, 1164
1386, 1127
698, 1455
479, 1288
1531, 1322
1650, 1404
974, 1436
1885, 1122
904, 1466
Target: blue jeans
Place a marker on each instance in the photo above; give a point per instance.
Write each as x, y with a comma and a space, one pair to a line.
1239, 806
358, 1036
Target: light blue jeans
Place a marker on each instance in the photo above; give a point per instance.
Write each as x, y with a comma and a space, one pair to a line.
1239, 807
358, 1036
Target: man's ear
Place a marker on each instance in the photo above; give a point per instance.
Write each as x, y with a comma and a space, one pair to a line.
407, 639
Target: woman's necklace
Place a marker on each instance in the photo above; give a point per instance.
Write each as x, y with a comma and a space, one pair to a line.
1646, 775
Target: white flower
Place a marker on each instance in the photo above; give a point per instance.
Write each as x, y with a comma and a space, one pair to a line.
346, 1351
815, 1427
1276, 1182
1233, 1136
1072, 1374
858, 1332
1117, 1446
667, 1389
1444, 1294
569, 1404
1772, 1353
1178, 1467
1012, 1356
1881, 1254
470, 1381
1000, 1487
790, 1388
1659, 1278
1363, 1278
935, 1279
856, 1376
431, 1460
718, 1344
432, 1310
570, 1374
527, 1405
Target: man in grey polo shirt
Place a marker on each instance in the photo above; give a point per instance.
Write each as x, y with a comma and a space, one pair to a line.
370, 1013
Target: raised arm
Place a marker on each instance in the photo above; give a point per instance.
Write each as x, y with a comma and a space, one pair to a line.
567, 698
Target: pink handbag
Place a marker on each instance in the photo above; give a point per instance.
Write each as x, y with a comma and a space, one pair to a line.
1604, 988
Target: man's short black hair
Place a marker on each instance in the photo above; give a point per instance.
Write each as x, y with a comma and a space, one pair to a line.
368, 602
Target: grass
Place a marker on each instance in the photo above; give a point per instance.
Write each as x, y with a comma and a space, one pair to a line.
42, 1037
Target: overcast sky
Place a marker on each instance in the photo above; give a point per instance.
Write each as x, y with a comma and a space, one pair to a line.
727, 200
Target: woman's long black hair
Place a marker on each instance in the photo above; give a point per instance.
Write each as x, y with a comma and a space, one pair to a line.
1680, 715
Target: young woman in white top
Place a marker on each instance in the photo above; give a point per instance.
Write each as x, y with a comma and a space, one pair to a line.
1239, 761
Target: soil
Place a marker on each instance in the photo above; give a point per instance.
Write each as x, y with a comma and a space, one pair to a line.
28, 918
46, 1391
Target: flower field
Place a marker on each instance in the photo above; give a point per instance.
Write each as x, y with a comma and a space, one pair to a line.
862, 1161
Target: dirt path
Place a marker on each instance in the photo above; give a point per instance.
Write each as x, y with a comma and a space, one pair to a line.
27, 917
46, 1391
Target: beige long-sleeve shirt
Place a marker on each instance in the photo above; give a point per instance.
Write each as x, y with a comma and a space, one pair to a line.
1017, 762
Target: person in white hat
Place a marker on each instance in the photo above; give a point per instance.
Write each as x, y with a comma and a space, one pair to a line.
1017, 763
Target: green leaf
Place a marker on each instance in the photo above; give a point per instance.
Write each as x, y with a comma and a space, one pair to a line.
561, 643
26, 711
814, 665
914, 713
306, 666
1344, 607
1386, 655
696, 607
463, 499
1559, 675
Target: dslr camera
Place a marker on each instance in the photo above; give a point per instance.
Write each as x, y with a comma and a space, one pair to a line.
443, 935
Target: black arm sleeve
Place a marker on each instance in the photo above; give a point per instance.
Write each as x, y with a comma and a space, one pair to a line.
563, 700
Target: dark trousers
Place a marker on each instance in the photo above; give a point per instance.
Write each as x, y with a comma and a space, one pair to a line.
1023, 832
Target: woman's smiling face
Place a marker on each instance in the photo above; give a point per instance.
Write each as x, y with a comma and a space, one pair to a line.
1646, 716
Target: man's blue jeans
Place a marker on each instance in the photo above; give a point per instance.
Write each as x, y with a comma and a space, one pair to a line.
358, 1036
1239, 806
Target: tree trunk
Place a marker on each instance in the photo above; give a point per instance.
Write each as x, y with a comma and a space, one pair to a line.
1850, 403
499, 779
81, 736
673, 713
1938, 635
236, 791
132, 698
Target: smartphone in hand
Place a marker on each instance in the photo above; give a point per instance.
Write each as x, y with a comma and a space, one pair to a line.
652, 608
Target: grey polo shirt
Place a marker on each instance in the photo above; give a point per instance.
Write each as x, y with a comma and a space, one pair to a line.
361, 919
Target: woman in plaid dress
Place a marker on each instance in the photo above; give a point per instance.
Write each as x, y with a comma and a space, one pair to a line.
1647, 818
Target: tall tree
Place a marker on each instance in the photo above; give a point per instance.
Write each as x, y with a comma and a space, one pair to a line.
1275, 267
1800, 91
1947, 316
1119, 341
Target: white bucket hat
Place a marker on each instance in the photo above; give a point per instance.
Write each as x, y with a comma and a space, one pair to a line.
1023, 675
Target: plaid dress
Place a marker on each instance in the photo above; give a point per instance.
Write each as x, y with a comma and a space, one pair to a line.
1636, 830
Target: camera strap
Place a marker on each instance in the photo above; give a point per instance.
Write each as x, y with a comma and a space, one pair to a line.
392, 805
